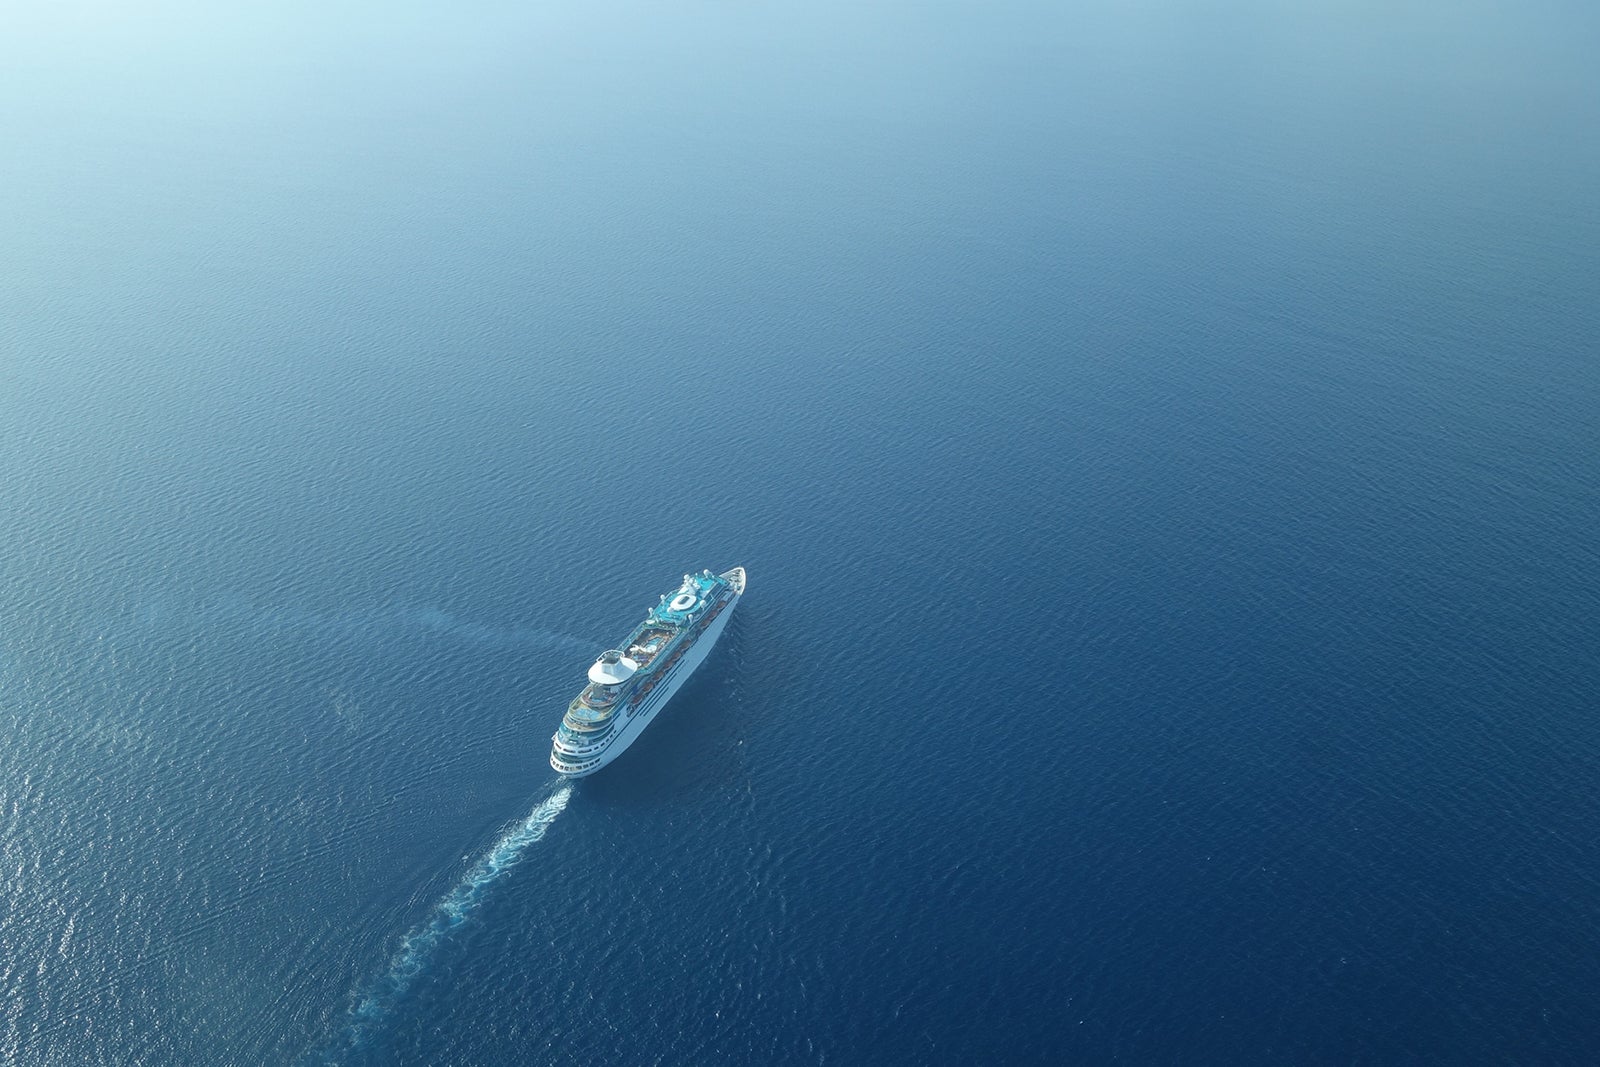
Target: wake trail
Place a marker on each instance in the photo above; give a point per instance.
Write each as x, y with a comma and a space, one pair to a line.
235, 613
457, 906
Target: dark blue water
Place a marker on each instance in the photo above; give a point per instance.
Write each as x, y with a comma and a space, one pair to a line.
1164, 441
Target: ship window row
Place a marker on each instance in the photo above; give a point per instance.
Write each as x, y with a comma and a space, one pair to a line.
577, 740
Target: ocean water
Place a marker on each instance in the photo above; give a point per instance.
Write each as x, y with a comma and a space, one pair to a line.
1164, 440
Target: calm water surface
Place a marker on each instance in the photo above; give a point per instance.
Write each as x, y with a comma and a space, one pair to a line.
1164, 440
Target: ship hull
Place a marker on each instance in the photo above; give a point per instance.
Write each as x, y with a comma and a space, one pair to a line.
629, 729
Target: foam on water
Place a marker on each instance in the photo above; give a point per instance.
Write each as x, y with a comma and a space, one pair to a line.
418, 946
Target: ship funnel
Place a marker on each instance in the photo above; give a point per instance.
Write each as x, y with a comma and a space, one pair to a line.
612, 668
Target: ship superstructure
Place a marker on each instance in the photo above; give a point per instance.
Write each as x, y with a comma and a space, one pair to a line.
629, 685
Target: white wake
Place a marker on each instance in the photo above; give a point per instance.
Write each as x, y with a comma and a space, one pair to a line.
415, 950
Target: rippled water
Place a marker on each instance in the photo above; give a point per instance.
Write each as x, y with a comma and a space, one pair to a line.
1162, 440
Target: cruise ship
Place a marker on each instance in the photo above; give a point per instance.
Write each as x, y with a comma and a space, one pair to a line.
628, 685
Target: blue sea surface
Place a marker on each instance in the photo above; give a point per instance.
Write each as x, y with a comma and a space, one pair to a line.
1164, 442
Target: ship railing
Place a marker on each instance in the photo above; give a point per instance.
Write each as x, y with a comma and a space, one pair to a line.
597, 700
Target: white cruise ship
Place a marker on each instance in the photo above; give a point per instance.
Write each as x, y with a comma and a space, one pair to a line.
628, 685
